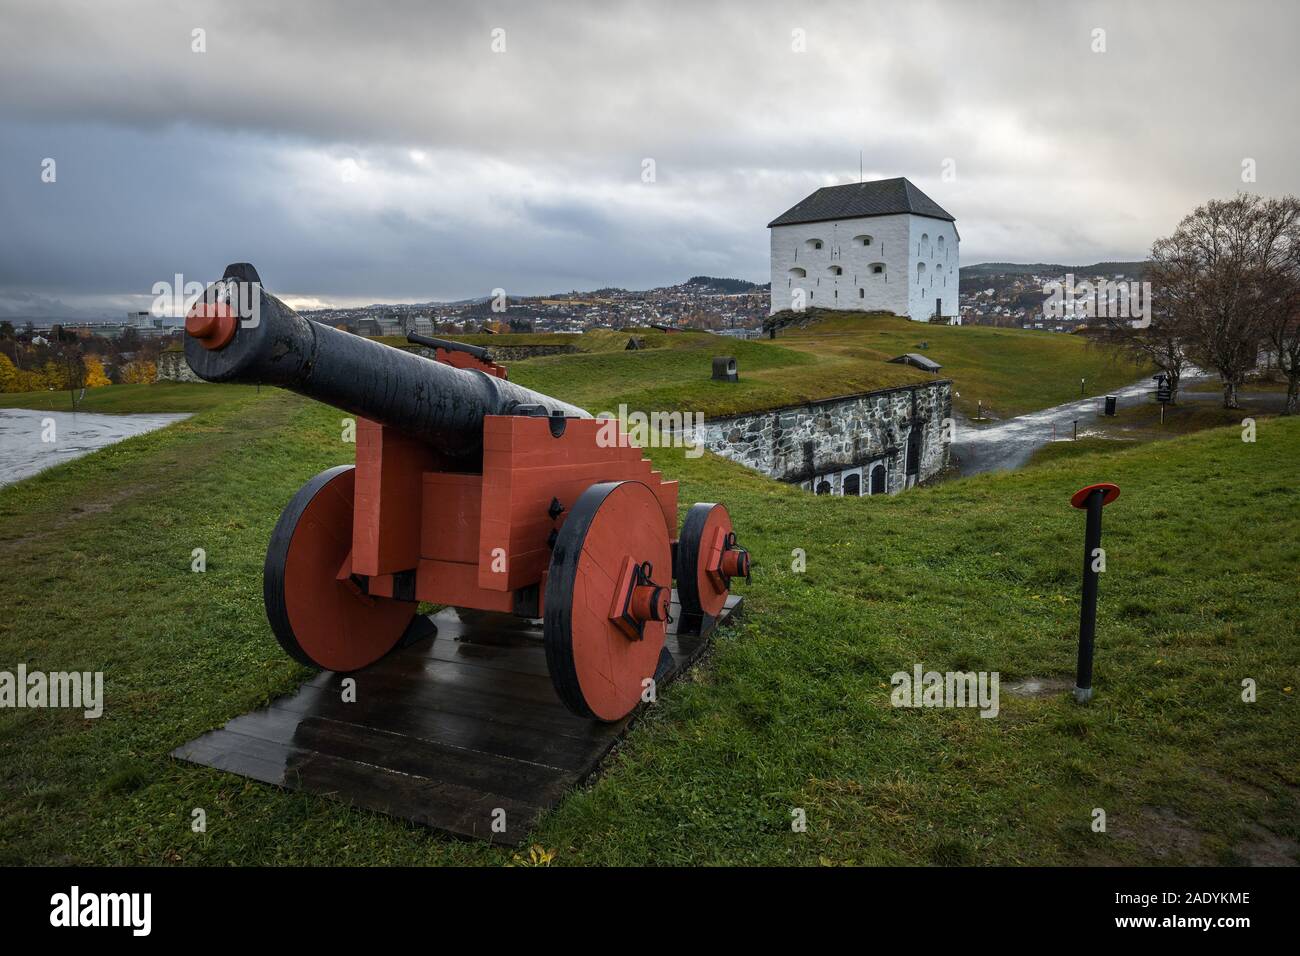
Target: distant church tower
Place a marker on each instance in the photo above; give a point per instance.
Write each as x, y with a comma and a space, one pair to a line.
877, 246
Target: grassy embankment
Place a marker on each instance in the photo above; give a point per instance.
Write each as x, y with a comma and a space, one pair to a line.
593, 340
127, 399
1008, 371
1138, 420
1011, 371
792, 708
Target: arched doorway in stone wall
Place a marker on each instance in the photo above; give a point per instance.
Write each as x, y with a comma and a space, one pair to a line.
852, 486
878, 480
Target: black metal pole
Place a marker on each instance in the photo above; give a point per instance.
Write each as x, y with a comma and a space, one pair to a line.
1088, 608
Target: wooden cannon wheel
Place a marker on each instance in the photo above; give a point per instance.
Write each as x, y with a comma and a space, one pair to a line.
613, 542
700, 589
318, 619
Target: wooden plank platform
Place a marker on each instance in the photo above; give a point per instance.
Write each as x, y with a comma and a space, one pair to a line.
446, 731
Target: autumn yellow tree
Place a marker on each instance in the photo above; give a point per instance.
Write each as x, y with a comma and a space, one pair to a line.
95, 377
139, 372
54, 375
10, 378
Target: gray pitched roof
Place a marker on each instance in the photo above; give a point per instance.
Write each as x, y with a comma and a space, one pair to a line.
883, 197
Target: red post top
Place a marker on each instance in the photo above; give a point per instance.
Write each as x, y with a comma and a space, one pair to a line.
1080, 498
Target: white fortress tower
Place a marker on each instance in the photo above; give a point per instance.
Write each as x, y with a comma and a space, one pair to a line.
877, 246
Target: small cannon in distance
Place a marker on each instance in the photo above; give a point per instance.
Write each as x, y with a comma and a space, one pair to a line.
470, 491
447, 345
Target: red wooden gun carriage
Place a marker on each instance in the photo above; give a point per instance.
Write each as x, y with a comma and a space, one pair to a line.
468, 491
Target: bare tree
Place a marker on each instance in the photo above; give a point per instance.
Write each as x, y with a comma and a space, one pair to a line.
1160, 343
1215, 276
1285, 339
75, 363
1282, 309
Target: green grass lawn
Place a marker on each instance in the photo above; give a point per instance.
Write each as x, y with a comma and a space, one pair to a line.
678, 376
1065, 449
593, 340
1009, 371
1142, 420
790, 710
1139, 420
128, 399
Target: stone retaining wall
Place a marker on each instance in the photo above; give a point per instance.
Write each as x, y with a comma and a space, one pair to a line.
822, 445
172, 367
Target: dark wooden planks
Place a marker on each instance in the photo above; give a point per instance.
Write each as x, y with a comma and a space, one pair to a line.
462, 733
468, 731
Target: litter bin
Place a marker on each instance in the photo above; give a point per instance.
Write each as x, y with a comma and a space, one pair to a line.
1110, 404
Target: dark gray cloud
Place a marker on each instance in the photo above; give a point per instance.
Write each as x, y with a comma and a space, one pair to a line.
360, 151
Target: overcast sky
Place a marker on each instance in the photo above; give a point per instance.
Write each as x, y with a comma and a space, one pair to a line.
371, 151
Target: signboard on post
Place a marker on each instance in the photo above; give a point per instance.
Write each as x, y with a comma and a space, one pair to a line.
1164, 392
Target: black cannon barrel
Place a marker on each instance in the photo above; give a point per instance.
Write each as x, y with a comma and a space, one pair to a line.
272, 344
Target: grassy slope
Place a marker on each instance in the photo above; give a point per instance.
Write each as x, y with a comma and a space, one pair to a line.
678, 377
672, 375
1012, 371
593, 340
125, 399
792, 709
1139, 421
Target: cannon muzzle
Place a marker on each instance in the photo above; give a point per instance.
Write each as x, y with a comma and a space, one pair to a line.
238, 332
480, 353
